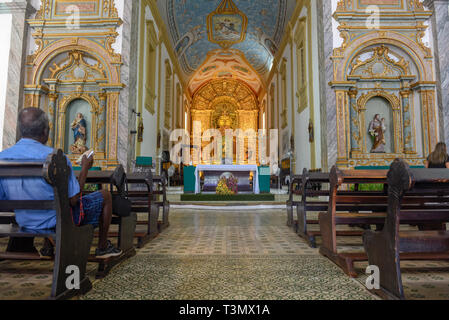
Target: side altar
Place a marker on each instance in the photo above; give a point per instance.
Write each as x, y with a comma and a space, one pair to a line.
212, 174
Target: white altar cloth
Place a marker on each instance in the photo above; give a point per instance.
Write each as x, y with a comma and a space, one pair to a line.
228, 168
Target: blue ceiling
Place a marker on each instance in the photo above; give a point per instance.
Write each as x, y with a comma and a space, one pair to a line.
187, 24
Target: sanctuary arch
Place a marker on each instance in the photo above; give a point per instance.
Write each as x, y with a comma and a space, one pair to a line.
224, 104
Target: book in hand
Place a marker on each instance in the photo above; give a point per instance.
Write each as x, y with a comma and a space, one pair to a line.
88, 154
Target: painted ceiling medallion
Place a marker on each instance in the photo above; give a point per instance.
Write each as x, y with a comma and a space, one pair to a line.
227, 25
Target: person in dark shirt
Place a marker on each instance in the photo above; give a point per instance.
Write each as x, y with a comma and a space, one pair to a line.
439, 157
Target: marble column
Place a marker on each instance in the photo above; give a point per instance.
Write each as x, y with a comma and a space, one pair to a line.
440, 30
327, 94
20, 10
128, 96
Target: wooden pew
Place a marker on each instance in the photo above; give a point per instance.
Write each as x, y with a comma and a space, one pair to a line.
311, 189
362, 208
388, 247
144, 201
291, 204
126, 225
310, 179
161, 181
157, 192
350, 208
72, 243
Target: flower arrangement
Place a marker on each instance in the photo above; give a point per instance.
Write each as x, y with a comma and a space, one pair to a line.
227, 186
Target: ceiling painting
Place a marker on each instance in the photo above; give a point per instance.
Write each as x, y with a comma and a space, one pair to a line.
255, 28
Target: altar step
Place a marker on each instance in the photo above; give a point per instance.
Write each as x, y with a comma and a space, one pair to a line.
265, 197
229, 206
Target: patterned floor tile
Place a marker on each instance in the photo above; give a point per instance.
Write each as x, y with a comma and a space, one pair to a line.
214, 254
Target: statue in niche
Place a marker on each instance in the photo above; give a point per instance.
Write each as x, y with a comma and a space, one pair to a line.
377, 129
79, 127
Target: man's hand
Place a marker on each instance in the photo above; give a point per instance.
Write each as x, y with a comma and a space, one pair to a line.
87, 163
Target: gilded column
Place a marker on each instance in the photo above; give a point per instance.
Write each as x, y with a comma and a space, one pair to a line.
354, 120
100, 141
342, 156
409, 146
430, 133
51, 115
112, 129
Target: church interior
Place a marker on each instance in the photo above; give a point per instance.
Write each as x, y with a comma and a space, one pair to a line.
277, 149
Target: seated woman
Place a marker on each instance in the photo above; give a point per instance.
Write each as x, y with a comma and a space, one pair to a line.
439, 157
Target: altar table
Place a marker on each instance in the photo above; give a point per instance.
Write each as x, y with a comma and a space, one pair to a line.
228, 168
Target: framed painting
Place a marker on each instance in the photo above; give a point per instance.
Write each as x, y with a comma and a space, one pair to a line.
227, 25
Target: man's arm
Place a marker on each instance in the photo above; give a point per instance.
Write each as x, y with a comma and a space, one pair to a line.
86, 164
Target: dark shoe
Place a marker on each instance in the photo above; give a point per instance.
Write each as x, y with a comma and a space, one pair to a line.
48, 250
109, 252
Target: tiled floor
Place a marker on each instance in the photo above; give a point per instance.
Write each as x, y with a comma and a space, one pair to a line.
239, 254
203, 232
226, 254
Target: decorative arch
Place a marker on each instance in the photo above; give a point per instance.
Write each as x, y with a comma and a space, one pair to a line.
44, 58
418, 53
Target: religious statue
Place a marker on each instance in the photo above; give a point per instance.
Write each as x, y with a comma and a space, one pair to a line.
224, 123
140, 130
311, 132
377, 129
79, 127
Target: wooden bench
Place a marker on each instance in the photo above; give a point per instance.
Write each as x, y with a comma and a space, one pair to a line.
295, 180
388, 247
362, 208
353, 208
144, 201
156, 192
72, 243
307, 190
126, 225
315, 198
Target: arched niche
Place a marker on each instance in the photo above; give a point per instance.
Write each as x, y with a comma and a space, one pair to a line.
75, 107
68, 109
379, 105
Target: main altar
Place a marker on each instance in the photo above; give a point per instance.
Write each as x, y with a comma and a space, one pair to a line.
212, 174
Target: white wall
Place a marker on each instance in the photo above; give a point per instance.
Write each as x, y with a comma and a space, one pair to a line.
149, 144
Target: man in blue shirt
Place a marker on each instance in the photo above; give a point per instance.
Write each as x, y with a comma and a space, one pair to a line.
96, 208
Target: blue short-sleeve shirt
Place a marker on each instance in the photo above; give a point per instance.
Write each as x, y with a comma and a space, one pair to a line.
32, 188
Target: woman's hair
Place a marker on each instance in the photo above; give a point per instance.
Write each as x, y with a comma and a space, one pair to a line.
439, 155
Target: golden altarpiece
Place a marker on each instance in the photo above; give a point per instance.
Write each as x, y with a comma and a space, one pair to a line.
383, 69
227, 104
74, 70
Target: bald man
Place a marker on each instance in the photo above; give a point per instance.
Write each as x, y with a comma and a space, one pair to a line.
96, 208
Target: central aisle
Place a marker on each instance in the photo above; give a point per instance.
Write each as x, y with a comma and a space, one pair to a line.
226, 255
